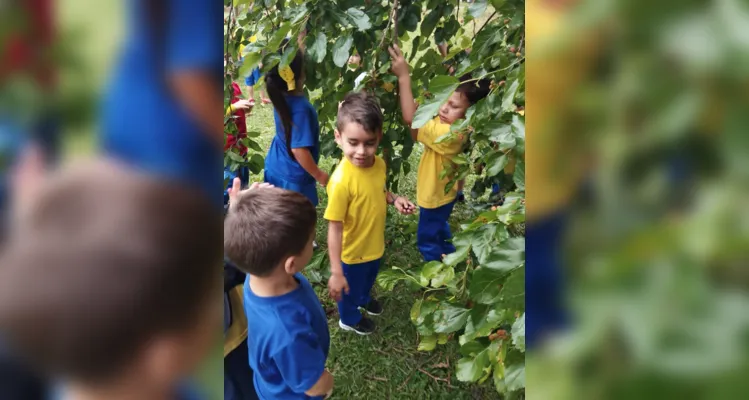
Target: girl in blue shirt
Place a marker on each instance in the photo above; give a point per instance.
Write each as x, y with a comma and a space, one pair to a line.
292, 160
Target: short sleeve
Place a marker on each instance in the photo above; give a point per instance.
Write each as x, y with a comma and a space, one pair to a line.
301, 363
194, 34
338, 199
428, 135
303, 132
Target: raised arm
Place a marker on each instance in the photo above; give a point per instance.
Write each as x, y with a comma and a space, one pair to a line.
401, 71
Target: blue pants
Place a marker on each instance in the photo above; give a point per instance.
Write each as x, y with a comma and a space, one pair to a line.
544, 284
433, 235
238, 376
309, 190
361, 278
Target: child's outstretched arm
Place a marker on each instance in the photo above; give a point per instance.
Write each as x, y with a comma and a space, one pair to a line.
304, 158
337, 284
402, 204
400, 69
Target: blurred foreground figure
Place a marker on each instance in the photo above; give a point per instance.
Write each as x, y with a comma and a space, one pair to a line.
162, 112
108, 282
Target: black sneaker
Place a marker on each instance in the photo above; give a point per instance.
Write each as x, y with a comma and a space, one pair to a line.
373, 307
364, 327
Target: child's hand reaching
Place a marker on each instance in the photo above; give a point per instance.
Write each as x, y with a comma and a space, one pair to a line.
404, 206
399, 66
243, 105
337, 286
236, 189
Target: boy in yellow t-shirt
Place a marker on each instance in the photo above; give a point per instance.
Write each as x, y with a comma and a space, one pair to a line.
357, 207
435, 206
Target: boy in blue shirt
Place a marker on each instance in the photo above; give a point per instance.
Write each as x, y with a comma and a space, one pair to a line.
268, 234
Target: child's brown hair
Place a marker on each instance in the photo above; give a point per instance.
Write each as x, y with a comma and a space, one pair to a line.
363, 109
265, 226
474, 91
106, 260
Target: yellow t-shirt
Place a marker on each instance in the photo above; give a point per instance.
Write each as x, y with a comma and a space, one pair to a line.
357, 197
430, 189
554, 161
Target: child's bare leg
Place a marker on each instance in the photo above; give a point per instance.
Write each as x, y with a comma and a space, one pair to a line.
252, 94
264, 97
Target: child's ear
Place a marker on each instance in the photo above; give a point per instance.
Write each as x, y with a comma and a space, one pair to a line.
289, 264
337, 136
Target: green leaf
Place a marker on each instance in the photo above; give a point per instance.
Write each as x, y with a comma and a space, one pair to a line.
318, 49
484, 239
477, 8
515, 377
388, 278
497, 4
442, 338
426, 310
430, 269
508, 99
415, 310
236, 157
512, 295
441, 278
519, 176
359, 19
518, 333
499, 379
342, 50
472, 348
449, 318
249, 63
278, 36
496, 162
507, 255
502, 134
253, 145
288, 55
471, 369
485, 285
441, 87
429, 22
427, 343
460, 254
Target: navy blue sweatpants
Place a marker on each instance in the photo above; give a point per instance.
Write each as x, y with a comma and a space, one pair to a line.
544, 285
433, 235
361, 278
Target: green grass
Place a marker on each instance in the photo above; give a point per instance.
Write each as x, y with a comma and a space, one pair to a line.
386, 364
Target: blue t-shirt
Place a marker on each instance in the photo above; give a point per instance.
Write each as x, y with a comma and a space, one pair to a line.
288, 341
305, 133
143, 124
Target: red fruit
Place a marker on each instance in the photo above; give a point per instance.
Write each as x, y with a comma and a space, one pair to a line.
512, 49
501, 83
494, 208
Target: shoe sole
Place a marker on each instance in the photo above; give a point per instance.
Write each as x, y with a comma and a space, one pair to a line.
352, 329
369, 312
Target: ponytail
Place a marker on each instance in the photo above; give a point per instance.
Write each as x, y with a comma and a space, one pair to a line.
277, 89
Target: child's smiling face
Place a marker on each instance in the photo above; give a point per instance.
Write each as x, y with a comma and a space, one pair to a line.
358, 145
454, 109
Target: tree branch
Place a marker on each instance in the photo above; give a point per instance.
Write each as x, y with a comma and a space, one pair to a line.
485, 23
